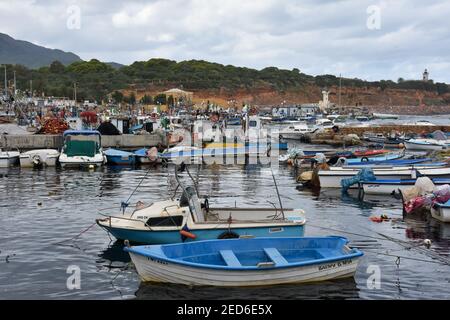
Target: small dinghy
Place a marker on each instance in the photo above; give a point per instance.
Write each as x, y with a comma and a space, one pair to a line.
246, 262
39, 158
119, 157
441, 211
8, 158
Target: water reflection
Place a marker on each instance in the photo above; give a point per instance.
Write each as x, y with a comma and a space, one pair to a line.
338, 289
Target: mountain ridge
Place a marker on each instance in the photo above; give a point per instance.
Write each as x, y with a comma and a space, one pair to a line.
30, 55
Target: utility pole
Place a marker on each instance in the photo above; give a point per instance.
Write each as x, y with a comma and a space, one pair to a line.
15, 88
6, 84
340, 85
31, 88
75, 92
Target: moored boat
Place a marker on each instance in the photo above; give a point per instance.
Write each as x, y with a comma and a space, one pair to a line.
425, 144
188, 218
82, 148
247, 262
332, 178
441, 211
120, 157
392, 186
39, 158
8, 158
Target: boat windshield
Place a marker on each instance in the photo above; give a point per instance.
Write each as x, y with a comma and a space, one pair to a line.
190, 198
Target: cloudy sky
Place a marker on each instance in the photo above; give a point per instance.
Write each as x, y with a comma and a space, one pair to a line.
367, 39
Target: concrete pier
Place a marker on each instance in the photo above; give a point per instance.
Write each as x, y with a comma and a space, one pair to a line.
49, 141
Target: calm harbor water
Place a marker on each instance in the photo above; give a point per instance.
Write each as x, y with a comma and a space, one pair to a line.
41, 210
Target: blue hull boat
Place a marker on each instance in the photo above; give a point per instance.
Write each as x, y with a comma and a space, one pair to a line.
247, 262
377, 159
119, 157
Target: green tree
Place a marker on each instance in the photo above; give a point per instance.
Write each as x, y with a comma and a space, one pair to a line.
170, 101
146, 99
56, 67
160, 99
131, 99
117, 96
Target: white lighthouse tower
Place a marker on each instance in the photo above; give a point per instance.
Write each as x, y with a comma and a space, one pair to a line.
325, 102
425, 76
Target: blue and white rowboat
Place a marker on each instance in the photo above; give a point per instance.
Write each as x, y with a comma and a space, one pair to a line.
391, 186
246, 262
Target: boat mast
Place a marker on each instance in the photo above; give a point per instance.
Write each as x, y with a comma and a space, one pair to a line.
278, 193
340, 87
15, 87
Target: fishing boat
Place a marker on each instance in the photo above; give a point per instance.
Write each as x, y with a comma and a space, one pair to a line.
324, 123
8, 158
441, 211
296, 131
120, 157
333, 178
247, 262
82, 148
393, 186
39, 158
370, 152
189, 218
395, 162
385, 116
425, 144
376, 159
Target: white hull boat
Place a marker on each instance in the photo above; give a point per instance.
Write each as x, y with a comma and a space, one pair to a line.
333, 178
246, 262
41, 157
441, 211
8, 158
425, 144
386, 187
296, 132
82, 149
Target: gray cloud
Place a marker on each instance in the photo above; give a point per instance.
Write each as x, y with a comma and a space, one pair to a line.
317, 37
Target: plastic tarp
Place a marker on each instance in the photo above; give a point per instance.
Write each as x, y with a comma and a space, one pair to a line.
365, 174
293, 153
440, 194
424, 186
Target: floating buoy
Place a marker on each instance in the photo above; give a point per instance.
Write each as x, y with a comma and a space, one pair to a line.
39, 203
427, 243
188, 234
91, 166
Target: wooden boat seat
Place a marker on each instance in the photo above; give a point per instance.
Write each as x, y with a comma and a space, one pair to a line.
230, 258
276, 256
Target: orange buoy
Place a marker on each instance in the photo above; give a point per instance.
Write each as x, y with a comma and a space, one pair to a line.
188, 234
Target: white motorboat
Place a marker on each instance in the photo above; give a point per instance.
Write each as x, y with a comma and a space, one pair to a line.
426, 144
38, 158
8, 158
296, 131
82, 148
